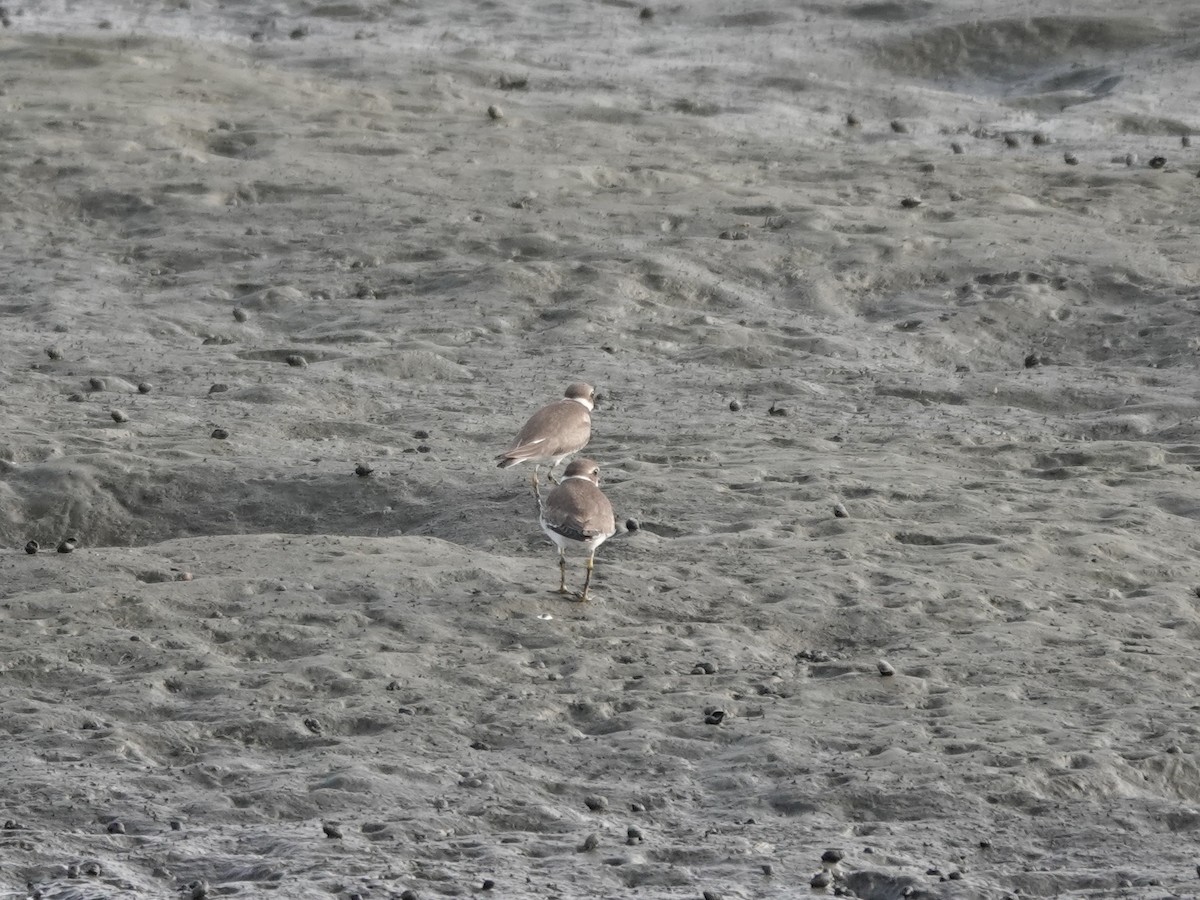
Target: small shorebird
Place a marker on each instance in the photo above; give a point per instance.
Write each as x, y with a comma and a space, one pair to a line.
577, 514
554, 432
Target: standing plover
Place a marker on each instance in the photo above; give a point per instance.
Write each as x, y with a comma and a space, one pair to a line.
554, 432
577, 514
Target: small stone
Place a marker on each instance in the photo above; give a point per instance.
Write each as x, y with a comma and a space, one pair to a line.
313, 725
409, 895
91, 869
852, 121
218, 388
646, 14
1040, 138
839, 511
899, 127
776, 410
198, 890
733, 235
145, 387
1131, 159
833, 856
821, 880
300, 31
1185, 141
219, 434
1158, 162
633, 835
956, 148
176, 825
54, 353
495, 112
97, 384
421, 435
362, 470
955, 875
768, 869
911, 202
637, 807
487, 884
296, 361
1070, 159
184, 576
75, 398
716, 717
711, 895
704, 668
591, 842
596, 803
119, 415
1032, 361
115, 828
886, 670
1012, 141
735, 405
72, 871
68, 545
31, 548
632, 525
332, 830
240, 314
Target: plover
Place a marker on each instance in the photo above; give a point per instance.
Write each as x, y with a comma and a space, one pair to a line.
554, 432
577, 514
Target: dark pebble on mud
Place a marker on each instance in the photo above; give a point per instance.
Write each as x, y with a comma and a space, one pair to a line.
76, 398
633, 835
591, 842
1032, 361
31, 548
632, 525
840, 512
145, 387
119, 415
735, 405
97, 384
1070, 159
704, 668
115, 828
777, 410
54, 353
421, 435
68, 545
596, 803
295, 360
218, 388
1158, 162
911, 202
176, 825
409, 895
91, 869
899, 127
1012, 141
852, 121
331, 830
646, 14
487, 884
219, 434
956, 148
240, 314
716, 717
362, 470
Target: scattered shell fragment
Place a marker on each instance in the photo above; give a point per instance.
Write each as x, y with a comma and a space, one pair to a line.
886, 670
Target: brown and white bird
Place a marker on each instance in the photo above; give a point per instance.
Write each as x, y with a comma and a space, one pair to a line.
556, 431
576, 514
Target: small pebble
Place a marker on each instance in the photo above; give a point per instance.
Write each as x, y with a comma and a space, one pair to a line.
54, 353
852, 120
295, 360
1185, 141
711, 895
495, 112
362, 470
768, 869
198, 890
1012, 141
839, 511
409, 895
777, 410
218, 388
733, 235
704, 668
72, 871
821, 880
68, 545
591, 842
1040, 138
176, 825
32, 547
331, 830
632, 525
646, 14
219, 434
313, 725
927, 168
487, 884
911, 202
92, 869
633, 835
421, 435
956, 148
76, 398
1032, 361
300, 31
97, 384
1131, 159
899, 127
119, 415
735, 405
832, 856
886, 670
240, 314
1158, 162
1070, 159
145, 387
115, 828
595, 802
716, 717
